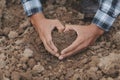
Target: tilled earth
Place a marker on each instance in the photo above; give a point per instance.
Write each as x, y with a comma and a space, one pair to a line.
23, 56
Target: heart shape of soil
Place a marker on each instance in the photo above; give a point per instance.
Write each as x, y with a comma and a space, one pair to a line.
63, 40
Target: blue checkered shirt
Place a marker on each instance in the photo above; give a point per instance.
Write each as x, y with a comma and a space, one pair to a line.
105, 16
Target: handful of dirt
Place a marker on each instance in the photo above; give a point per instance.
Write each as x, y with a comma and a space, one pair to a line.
63, 40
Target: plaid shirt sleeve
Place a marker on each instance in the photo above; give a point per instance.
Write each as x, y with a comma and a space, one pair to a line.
31, 6
107, 13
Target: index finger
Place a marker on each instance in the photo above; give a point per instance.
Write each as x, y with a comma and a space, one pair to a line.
50, 50
59, 26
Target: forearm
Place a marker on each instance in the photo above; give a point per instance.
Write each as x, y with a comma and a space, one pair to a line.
36, 19
106, 14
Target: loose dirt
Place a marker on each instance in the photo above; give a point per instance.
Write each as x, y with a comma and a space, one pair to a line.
23, 56
63, 40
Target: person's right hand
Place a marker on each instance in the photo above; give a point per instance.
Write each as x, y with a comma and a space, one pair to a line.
44, 27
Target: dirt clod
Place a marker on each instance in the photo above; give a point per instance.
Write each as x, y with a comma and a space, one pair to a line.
12, 34
110, 64
38, 68
31, 63
27, 53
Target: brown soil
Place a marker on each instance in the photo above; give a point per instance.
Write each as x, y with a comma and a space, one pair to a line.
63, 40
23, 56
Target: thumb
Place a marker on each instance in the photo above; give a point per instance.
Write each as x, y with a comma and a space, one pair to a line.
68, 27
59, 26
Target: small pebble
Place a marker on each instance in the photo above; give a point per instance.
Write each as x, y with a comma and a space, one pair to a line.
31, 63
24, 59
18, 42
2, 63
2, 39
39, 68
12, 34
6, 30
28, 53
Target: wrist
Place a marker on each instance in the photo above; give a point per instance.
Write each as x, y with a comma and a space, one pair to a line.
98, 31
37, 18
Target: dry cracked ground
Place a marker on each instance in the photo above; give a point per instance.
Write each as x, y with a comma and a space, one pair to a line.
23, 56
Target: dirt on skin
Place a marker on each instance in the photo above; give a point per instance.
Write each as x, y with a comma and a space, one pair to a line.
23, 56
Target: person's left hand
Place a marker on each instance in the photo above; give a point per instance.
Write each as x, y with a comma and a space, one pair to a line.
86, 35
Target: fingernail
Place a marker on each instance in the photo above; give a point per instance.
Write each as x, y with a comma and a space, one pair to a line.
61, 57
57, 55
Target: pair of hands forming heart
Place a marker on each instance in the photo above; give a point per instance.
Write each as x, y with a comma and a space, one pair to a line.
86, 35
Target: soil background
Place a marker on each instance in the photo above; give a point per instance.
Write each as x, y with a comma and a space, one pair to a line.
23, 56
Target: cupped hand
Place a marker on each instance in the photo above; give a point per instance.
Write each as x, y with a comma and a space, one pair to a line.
86, 35
45, 27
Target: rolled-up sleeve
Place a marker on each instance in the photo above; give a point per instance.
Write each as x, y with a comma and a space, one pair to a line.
31, 6
107, 13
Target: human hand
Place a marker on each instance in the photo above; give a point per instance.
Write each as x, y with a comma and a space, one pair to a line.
86, 35
44, 27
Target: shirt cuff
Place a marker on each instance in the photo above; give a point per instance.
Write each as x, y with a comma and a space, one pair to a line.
103, 20
32, 6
